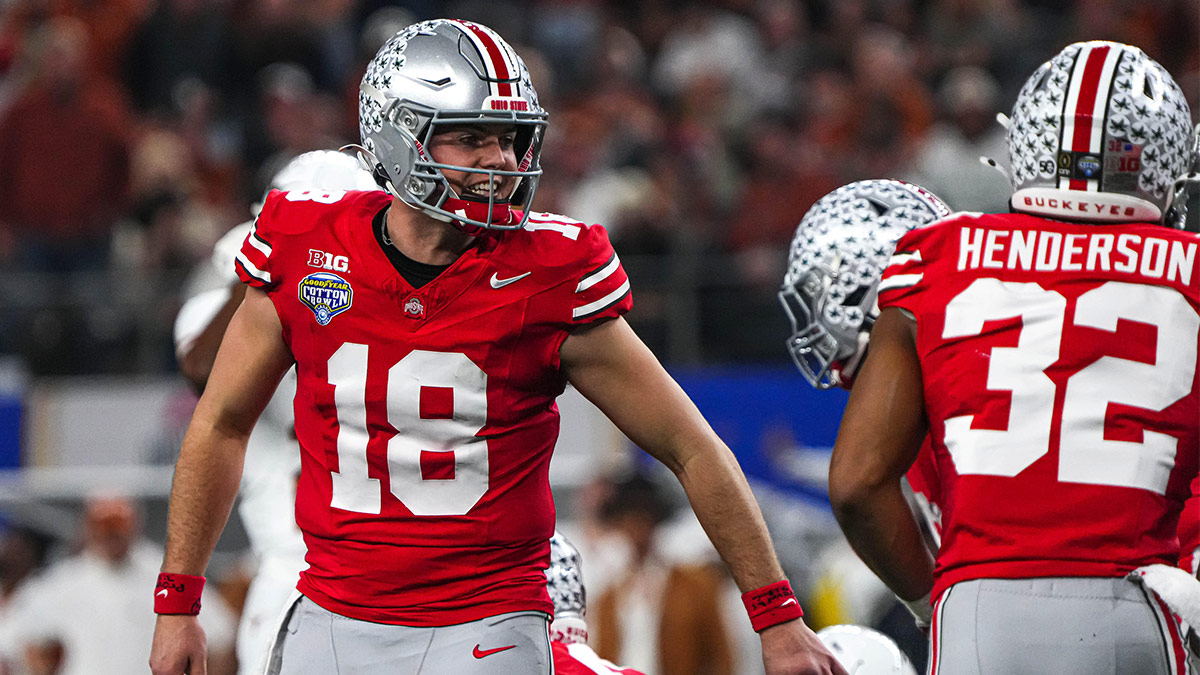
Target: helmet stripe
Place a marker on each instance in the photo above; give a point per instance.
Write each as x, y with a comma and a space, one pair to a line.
495, 57
1087, 99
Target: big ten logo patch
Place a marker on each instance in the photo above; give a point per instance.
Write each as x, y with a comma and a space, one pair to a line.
328, 261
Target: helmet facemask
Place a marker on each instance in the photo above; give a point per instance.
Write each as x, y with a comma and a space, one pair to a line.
826, 355
408, 95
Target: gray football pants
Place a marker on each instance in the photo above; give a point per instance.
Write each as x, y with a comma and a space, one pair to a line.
1059, 625
315, 641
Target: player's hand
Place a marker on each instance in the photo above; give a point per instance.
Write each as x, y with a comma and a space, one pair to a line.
792, 649
179, 646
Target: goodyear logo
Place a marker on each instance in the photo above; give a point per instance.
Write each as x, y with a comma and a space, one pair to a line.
327, 295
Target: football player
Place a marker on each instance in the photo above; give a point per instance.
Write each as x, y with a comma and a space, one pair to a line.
432, 328
267, 494
829, 293
569, 630
1050, 355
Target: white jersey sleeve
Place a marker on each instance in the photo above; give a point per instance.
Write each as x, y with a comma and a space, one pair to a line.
208, 289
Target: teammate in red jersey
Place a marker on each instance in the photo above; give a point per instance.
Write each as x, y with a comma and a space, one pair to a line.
1053, 363
432, 327
829, 292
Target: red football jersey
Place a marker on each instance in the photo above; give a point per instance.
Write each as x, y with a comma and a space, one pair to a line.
426, 417
1059, 363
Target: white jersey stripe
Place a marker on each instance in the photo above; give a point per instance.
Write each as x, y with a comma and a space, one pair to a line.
253, 271
257, 242
602, 303
899, 281
567, 230
905, 258
599, 275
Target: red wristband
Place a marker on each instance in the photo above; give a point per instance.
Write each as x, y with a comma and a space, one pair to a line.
771, 605
178, 594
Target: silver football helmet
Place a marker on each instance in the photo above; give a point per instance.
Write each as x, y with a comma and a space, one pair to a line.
564, 578
564, 581
446, 72
835, 261
863, 651
1101, 133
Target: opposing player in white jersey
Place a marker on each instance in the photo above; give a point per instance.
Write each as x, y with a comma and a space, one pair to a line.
1050, 355
569, 630
267, 494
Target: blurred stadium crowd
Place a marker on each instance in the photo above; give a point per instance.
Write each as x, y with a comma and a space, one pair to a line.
133, 133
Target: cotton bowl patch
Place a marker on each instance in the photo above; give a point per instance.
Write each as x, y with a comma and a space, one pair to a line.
327, 295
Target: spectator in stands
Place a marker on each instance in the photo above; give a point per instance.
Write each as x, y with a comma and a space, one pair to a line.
948, 160
67, 123
22, 552
90, 614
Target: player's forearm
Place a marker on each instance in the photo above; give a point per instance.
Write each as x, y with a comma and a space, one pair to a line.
726, 508
882, 530
202, 495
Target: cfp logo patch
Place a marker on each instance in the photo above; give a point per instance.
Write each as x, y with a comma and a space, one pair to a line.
327, 295
328, 261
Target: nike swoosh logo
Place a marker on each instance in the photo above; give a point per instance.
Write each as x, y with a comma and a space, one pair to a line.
497, 282
163, 593
480, 653
789, 601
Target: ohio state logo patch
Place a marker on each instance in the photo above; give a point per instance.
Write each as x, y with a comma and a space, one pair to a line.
327, 295
414, 308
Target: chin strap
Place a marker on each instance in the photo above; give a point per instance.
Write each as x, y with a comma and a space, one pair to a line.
496, 213
850, 367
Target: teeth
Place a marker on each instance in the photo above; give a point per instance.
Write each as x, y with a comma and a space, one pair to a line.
485, 188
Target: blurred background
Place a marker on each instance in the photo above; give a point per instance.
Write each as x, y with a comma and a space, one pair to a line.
134, 133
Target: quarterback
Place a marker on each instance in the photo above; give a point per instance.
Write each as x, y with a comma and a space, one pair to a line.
432, 325
1050, 356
